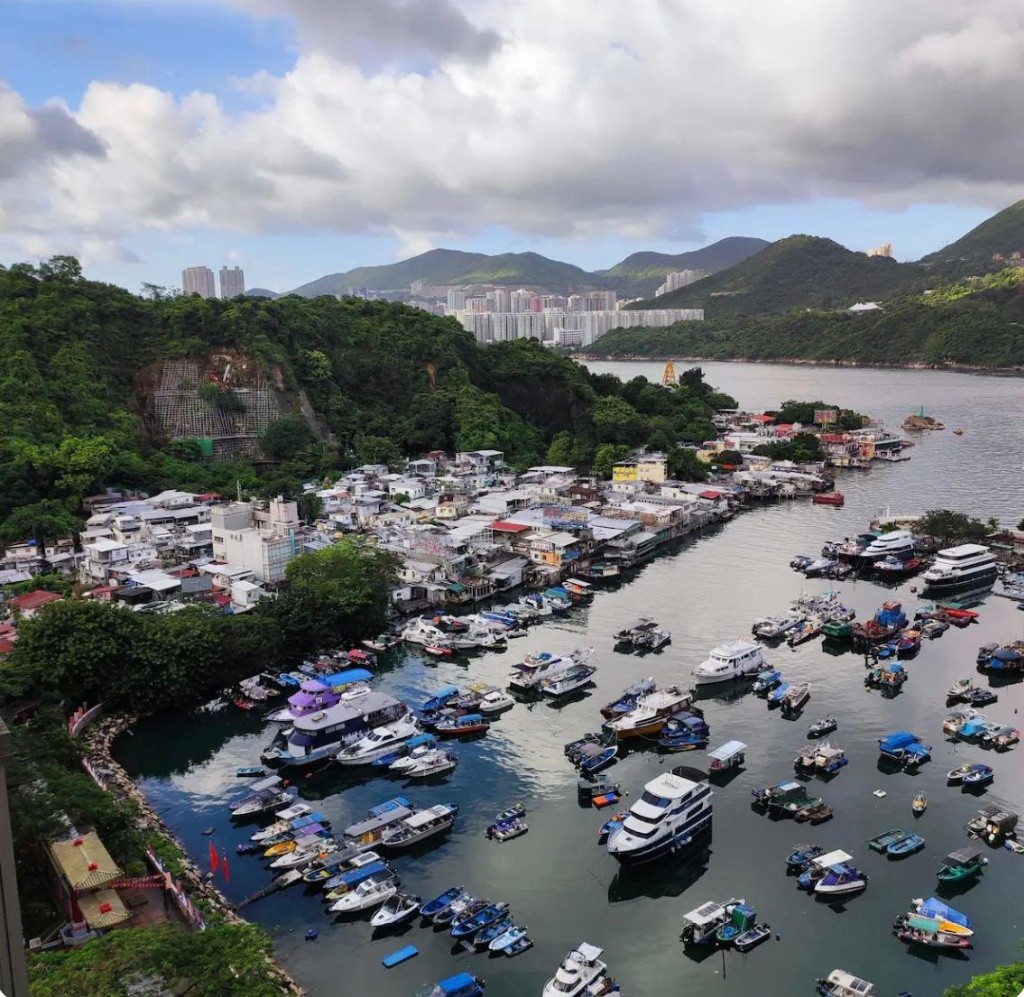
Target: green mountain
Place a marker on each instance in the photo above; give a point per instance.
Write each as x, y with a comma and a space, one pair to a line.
718, 256
451, 266
801, 271
1001, 234
261, 292
978, 323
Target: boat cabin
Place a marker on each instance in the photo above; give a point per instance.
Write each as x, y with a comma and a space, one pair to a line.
371, 828
840, 983
830, 859
730, 755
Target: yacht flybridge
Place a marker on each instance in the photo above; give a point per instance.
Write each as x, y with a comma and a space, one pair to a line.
897, 543
674, 809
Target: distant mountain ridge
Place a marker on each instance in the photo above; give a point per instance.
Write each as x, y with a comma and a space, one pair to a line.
637, 274
1001, 234
801, 271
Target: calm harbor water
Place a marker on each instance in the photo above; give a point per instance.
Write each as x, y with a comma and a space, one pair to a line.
559, 881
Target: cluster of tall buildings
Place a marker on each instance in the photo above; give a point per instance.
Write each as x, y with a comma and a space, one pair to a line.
199, 280
681, 278
502, 300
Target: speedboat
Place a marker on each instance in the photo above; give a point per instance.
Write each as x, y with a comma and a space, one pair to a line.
316, 850
441, 902
672, 811
579, 969
776, 627
466, 927
729, 661
766, 681
506, 830
511, 934
416, 754
464, 906
397, 909
286, 826
495, 929
840, 880
684, 731
368, 894
496, 702
432, 764
527, 675
822, 727
568, 682
379, 742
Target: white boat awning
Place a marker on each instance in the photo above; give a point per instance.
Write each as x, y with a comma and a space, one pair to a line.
589, 952
727, 750
830, 859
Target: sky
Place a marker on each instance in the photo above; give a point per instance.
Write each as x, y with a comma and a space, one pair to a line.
297, 138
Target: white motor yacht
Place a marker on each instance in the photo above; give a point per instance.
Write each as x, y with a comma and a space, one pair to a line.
730, 661
379, 742
897, 543
568, 682
435, 762
368, 894
579, 969
966, 566
670, 814
496, 702
528, 674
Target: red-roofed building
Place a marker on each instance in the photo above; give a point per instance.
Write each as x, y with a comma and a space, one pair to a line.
764, 419
784, 429
711, 494
30, 603
501, 526
8, 636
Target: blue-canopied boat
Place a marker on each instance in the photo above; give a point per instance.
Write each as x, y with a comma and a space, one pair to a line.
766, 681
459, 985
684, 731
933, 907
466, 928
778, 694
628, 700
979, 774
798, 859
440, 699
904, 748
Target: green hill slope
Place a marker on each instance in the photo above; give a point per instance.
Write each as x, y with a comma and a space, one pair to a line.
979, 323
718, 256
802, 271
1003, 233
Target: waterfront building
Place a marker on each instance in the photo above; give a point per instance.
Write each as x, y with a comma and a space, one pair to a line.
198, 280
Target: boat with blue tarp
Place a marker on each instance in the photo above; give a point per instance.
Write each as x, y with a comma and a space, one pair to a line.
904, 748
459, 985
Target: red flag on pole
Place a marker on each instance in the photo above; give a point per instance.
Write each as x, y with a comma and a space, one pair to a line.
227, 873
214, 857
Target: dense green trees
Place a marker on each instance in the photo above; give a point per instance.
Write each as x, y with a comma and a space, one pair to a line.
1004, 981
951, 527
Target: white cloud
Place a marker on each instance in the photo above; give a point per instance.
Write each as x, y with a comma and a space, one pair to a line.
558, 120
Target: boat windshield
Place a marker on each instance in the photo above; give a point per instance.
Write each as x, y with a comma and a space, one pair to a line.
655, 801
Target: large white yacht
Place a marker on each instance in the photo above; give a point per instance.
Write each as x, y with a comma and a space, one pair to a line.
528, 674
966, 566
379, 742
897, 543
730, 661
580, 968
672, 812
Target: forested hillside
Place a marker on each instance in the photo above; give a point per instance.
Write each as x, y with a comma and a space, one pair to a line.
979, 322
386, 380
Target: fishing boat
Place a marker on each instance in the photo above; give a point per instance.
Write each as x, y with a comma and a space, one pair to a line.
908, 643
612, 824
368, 894
441, 902
701, 923
775, 627
888, 621
266, 794
837, 629
736, 659
920, 803
652, 712
881, 842
822, 727
1002, 738
511, 934
829, 759
672, 811
506, 830
527, 675
895, 567
469, 723
250, 772
685, 731
496, 702
785, 798
592, 792
511, 812
431, 765
801, 857
964, 863
840, 880
518, 945
467, 927
495, 929
960, 688
459, 985
730, 755
978, 774
579, 971
595, 756
337, 886
828, 498
465, 905
912, 929
933, 907
904, 748
981, 697
397, 909
568, 682
289, 824
628, 700
777, 694
805, 757
766, 681
420, 826
752, 937
440, 699
379, 742
628, 634
741, 920
905, 846
796, 697
840, 983
934, 628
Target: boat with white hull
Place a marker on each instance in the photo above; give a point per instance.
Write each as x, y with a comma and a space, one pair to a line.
568, 682
671, 813
579, 970
420, 826
529, 674
379, 742
730, 661
651, 713
896, 543
966, 566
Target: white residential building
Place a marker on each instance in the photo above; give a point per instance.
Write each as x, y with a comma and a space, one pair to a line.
232, 282
258, 538
681, 278
198, 280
